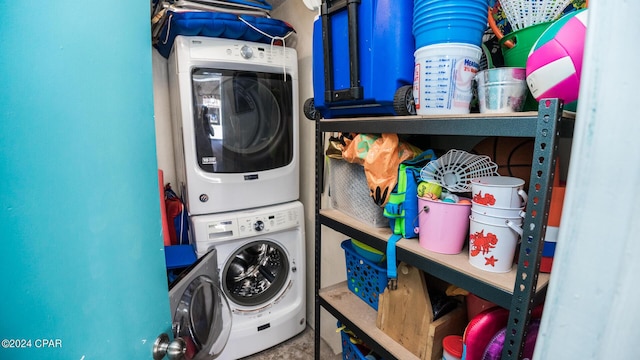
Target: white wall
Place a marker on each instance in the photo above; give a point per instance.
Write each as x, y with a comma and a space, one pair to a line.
162, 114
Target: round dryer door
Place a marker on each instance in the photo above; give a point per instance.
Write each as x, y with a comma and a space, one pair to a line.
243, 120
252, 118
202, 319
255, 273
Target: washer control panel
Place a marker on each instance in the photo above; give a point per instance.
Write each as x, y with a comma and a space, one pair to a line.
266, 223
251, 225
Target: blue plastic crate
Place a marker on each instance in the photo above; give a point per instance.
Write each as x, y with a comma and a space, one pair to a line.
364, 278
349, 350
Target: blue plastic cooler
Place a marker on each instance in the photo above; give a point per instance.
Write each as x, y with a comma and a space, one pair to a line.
362, 57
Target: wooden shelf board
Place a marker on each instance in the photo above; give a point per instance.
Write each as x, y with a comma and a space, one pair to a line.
362, 316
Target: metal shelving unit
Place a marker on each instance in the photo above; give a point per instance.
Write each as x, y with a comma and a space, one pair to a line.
519, 290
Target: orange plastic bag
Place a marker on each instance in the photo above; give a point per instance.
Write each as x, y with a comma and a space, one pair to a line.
380, 155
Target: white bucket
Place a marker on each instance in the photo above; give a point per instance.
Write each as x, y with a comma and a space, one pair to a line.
492, 247
443, 78
499, 191
497, 220
497, 211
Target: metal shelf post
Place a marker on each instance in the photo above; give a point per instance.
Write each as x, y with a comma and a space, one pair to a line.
535, 225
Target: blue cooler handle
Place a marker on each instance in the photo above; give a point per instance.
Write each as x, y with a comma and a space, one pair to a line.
355, 91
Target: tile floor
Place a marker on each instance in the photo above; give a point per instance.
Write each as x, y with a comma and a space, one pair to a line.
300, 347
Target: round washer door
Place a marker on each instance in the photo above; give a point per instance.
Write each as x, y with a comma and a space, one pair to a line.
202, 319
255, 273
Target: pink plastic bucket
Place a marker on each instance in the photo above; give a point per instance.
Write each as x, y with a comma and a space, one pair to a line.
443, 226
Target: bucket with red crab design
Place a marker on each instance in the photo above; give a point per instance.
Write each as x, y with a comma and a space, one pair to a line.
498, 191
492, 246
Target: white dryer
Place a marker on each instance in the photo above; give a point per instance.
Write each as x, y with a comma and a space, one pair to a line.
261, 258
234, 114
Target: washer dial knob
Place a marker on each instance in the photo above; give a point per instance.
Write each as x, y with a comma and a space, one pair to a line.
258, 225
246, 52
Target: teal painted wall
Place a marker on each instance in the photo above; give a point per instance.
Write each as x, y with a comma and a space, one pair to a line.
81, 249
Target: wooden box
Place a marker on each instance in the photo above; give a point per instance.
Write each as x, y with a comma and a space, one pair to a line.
405, 315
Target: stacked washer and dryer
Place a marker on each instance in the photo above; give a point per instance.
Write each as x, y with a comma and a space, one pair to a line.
235, 116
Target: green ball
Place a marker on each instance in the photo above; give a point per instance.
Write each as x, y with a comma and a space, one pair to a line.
427, 187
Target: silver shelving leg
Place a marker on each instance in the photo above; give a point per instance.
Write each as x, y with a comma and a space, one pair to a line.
540, 186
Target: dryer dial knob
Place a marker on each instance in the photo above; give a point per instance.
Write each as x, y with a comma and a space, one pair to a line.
258, 225
246, 52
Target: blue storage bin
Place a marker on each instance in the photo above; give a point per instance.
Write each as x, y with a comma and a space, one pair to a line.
362, 79
364, 278
350, 351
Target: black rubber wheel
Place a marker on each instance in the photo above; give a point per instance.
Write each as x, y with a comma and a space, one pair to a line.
310, 111
403, 102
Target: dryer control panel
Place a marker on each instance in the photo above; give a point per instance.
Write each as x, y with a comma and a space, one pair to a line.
240, 52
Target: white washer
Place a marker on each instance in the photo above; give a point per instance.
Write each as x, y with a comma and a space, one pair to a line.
234, 114
261, 258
